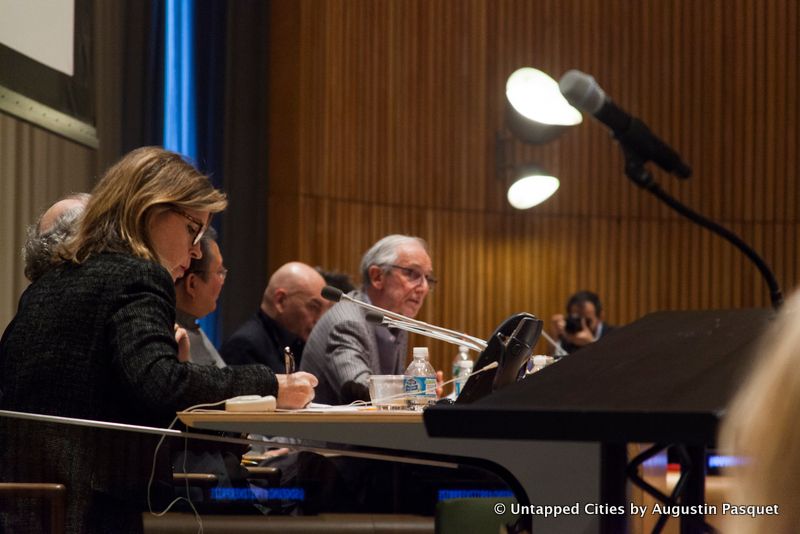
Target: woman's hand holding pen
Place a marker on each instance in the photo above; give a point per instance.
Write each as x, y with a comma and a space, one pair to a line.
296, 392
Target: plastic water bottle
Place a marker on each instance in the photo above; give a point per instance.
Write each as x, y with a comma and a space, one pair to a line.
462, 367
537, 363
420, 380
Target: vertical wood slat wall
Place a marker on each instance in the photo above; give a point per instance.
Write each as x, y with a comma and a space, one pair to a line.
383, 120
36, 167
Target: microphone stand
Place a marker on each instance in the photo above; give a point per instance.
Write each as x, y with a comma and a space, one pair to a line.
636, 171
335, 295
411, 327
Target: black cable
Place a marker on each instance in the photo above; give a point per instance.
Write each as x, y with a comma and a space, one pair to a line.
634, 169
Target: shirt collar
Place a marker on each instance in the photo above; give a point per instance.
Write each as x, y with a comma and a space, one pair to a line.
186, 320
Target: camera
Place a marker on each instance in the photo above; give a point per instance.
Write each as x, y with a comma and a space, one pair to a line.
573, 324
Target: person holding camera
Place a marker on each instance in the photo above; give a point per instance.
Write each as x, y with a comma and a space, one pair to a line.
583, 323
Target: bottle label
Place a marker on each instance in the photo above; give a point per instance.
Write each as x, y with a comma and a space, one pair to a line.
421, 389
464, 369
459, 385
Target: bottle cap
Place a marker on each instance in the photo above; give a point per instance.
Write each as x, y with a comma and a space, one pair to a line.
463, 351
420, 351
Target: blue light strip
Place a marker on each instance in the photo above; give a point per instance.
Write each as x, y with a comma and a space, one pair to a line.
720, 461
447, 494
180, 131
258, 494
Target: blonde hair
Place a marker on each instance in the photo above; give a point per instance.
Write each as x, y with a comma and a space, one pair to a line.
136, 187
762, 428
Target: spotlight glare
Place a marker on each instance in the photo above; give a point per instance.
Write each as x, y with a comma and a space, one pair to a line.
536, 96
532, 190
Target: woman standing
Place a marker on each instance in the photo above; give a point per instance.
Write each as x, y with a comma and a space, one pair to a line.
94, 338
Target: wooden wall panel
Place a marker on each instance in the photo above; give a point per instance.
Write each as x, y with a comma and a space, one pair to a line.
36, 167
396, 111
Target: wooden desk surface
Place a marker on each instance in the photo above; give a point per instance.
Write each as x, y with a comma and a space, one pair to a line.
368, 415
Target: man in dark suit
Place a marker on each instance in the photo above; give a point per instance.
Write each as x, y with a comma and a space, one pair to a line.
290, 307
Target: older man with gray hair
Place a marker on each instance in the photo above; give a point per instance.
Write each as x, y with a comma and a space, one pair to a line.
344, 349
41, 251
45, 236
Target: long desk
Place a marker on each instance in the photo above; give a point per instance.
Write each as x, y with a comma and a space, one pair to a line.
545, 472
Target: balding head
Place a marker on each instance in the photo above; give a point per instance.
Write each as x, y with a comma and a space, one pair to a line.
62, 208
292, 298
45, 237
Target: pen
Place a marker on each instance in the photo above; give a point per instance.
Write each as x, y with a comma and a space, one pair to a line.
288, 360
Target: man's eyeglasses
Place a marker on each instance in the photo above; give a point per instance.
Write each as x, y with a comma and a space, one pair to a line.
222, 273
415, 276
201, 227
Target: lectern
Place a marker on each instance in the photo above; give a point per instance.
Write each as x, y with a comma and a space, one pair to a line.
666, 378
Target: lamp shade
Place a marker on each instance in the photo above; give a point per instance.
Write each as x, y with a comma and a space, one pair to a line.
533, 186
536, 111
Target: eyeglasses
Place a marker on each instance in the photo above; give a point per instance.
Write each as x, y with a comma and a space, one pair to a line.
222, 273
415, 276
201, 227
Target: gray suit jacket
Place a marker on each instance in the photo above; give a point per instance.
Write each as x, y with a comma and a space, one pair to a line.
343, 347
201, 349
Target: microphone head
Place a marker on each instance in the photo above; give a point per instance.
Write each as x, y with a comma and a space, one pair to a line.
331, 293
582, 91
374, 317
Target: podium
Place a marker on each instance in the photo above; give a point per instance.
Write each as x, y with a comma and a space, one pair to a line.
666, 378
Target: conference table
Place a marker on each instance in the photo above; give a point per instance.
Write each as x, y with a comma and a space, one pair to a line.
558, 437
546, 472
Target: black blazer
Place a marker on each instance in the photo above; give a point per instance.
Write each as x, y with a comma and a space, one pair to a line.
261, 340
96, 341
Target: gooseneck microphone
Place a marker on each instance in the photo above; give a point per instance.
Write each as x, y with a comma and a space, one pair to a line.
379, 318
640, 145
583, 92
396, 320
